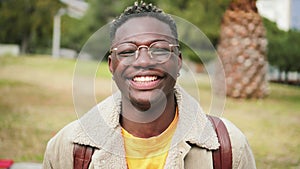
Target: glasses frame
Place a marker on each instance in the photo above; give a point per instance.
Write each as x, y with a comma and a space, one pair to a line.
148, 51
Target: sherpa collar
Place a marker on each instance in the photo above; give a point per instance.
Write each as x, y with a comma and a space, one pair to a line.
100, 126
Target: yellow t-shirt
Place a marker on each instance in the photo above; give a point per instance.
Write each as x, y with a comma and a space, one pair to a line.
148, 153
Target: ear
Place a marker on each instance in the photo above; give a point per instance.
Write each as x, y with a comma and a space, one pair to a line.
110, 64
179, 61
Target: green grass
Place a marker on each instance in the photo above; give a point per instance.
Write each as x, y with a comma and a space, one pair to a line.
36, 101
271, 125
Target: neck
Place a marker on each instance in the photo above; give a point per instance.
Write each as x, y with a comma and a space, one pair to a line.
149, 123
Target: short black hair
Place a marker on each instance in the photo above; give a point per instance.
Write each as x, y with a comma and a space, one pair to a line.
139, 10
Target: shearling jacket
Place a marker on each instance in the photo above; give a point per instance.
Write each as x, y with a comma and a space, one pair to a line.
191, 145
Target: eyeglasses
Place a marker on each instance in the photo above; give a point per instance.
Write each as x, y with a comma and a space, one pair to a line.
159, 51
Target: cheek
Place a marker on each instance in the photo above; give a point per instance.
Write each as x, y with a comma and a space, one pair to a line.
113, 65
174, 67
118, 69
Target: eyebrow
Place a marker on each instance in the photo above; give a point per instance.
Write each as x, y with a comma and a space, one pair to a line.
150, 42
168, 38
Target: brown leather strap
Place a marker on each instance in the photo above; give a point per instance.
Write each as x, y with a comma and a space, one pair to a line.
222, 158
82, 156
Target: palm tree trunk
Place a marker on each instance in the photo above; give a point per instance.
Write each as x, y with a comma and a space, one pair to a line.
242, 49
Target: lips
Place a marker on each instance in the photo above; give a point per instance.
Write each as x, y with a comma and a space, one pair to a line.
145, 82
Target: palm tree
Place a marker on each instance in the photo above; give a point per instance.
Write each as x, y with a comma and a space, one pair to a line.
242, 49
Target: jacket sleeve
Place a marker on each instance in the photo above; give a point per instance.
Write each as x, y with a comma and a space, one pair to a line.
242, 156
246, 160
59, 150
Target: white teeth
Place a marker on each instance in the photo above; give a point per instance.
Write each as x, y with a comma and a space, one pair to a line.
144, 78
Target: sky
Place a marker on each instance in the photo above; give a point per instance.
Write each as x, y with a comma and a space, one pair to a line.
295, 14
285, 13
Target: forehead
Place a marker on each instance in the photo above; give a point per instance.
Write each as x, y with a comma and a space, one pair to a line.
142, 26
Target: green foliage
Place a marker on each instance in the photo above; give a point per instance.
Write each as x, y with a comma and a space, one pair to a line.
70, 36
99, 14
204, 14
283, 47
27, 22
202, 56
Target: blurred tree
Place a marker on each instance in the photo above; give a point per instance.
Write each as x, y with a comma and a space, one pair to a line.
99, 14
27, 22
294, 48
204, 14
283, 49
242, 49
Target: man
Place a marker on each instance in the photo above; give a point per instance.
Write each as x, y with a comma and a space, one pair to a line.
151, 122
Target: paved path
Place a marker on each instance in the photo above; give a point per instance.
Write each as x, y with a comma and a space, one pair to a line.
26, 166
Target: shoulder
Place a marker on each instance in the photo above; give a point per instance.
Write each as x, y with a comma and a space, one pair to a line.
236, 135
59, 150
66, 134
241, 151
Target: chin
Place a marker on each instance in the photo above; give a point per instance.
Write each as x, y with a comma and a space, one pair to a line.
146, 100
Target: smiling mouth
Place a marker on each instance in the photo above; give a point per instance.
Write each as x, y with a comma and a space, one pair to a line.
145, 82
145, 79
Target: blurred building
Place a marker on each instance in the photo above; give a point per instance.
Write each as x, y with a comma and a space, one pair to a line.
285, 13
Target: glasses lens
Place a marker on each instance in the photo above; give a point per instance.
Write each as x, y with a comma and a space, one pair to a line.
126, 53
160, 51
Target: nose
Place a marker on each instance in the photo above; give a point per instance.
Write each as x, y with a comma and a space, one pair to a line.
143, 58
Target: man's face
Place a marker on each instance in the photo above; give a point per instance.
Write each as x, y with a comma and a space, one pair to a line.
145, 80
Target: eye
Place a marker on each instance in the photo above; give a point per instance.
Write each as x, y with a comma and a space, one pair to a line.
159, 51
126, 53
126, 50
160, 48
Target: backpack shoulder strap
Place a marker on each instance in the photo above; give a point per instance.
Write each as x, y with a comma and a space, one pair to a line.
82, 155
222, 158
